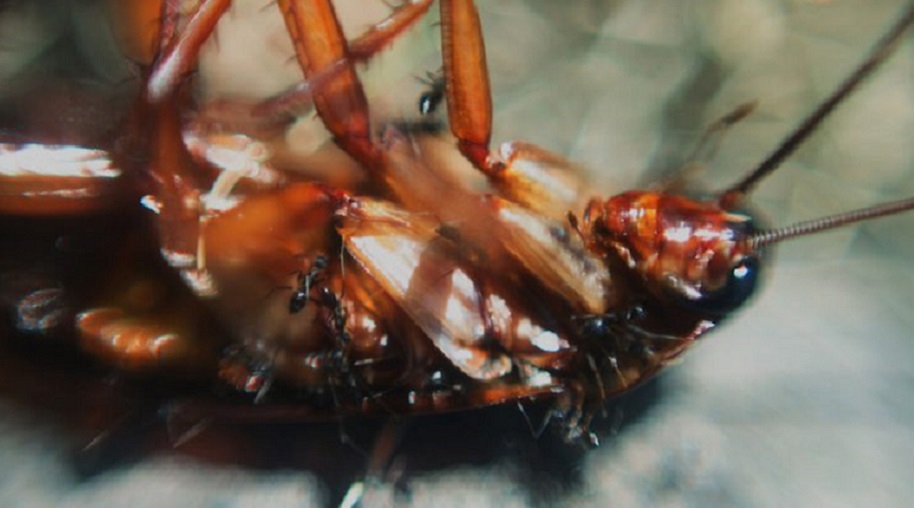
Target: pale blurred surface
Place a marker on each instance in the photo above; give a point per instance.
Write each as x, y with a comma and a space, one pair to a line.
804, 399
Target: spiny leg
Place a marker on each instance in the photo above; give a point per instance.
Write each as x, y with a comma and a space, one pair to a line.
180, 51
363, 48
383, 33
523, 173
469, 98
338, 94
320, 44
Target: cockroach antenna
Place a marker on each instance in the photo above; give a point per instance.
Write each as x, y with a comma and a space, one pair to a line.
809, 227
731, 197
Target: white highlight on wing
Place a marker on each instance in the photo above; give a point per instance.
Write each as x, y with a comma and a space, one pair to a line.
555, 256
55, 160
427, 282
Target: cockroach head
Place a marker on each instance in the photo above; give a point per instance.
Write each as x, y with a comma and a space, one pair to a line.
688, 253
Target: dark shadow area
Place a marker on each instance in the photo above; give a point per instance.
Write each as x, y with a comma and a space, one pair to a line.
112, 424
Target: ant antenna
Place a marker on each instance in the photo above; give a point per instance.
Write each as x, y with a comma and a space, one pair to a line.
764, 238
731, 197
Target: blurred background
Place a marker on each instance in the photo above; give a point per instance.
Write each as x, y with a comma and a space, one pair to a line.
802, 399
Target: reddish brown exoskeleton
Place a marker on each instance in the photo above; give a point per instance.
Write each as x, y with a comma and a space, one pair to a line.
412, 291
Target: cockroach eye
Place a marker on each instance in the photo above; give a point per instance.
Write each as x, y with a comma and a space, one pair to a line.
740, 285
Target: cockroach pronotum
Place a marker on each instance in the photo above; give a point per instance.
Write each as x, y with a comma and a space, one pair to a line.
393, 280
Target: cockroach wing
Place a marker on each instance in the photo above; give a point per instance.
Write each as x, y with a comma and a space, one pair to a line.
408, 259
539, 180
556, 257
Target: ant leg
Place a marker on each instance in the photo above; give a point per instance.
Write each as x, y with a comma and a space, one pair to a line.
305, 283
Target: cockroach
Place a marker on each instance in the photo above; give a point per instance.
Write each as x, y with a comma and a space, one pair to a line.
529, 290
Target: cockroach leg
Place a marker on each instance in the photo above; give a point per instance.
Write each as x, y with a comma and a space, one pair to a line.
521, 172
381, 471
181, 49
176, 199
383, 33
170, 17
167, 341
319, 44
244, 373
467, 82
299, 98
361, 49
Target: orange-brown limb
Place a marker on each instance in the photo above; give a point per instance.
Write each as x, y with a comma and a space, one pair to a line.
374, 40
180, 55
469, 99
384, 33
319, 43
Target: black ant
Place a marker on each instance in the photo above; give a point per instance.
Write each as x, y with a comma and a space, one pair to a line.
432, 97
337, 321
306, 281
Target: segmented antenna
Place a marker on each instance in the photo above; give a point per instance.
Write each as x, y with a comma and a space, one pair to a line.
880, 52
763, 238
